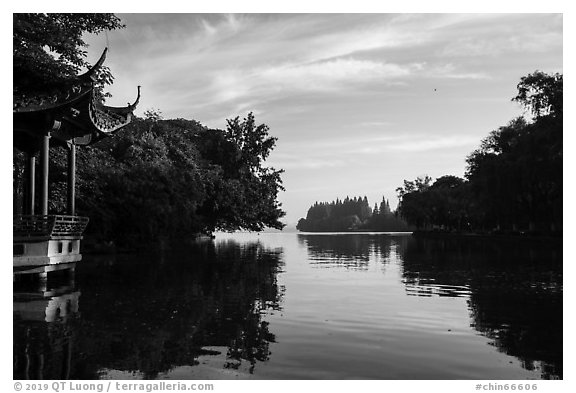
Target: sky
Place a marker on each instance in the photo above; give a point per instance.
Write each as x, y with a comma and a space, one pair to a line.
359, 102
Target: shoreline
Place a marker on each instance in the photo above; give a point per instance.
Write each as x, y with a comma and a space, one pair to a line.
439, 234
503, 235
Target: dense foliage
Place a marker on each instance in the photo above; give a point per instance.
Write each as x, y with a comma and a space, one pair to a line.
513, 181
350, 215
171, 178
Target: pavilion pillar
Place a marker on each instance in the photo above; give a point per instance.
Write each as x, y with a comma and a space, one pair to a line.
71, 179
30, 184
44, 163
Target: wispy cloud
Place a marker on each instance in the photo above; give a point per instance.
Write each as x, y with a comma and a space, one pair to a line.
450, 71
345, 74
197, 63
421, 143
400, 140
376, 124
339, 70
508, 33
301, 162
346, 151
324, 76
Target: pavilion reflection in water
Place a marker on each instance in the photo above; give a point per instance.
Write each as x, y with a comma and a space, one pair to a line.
194, 313
44, 315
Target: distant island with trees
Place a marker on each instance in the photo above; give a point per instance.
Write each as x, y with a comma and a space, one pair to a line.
352, 214
512, 183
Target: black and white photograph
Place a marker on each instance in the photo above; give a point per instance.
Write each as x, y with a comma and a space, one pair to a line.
299, 196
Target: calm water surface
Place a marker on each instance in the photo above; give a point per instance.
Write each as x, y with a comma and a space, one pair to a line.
300, 306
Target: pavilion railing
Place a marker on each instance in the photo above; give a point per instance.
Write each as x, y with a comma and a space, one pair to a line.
50, 225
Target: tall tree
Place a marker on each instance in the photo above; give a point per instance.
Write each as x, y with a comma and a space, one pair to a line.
245, 196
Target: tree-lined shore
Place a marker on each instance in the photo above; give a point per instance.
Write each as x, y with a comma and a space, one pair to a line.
512, 184
513, 181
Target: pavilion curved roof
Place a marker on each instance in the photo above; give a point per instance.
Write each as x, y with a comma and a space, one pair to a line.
71, 112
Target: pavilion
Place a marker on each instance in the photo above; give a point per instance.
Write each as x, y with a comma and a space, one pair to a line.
71, 115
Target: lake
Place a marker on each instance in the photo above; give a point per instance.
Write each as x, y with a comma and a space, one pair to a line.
300, 306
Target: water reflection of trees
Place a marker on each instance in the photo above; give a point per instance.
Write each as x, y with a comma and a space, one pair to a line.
152, 313
514, 288
352, 251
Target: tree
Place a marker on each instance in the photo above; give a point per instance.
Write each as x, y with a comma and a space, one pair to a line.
153, 114
420, 184
48, 49
426, 204
542, 147
253, 142
448, 202
541, 94
495, 175
413, 205
244, 195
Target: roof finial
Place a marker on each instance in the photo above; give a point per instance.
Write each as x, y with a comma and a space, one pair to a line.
133, 106
92, 71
